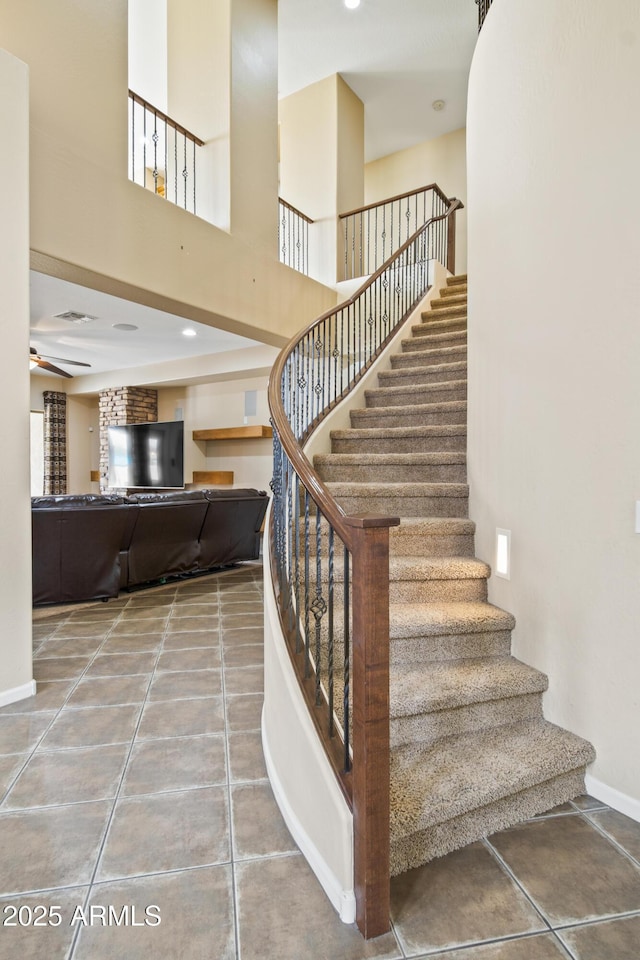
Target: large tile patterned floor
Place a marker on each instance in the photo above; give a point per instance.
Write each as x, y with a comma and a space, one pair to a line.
134, 780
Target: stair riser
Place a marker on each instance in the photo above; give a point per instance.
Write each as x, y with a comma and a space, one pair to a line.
390, 444
442, 418
437, 341
423, 377
385, 398
429, 727
425, 845
455, 646
415, 547
395, 473
425, 591
459, 280
406, 506
407, 546
428, 358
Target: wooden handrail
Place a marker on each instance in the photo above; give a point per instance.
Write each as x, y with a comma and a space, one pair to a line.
166, 119
293, 209
366, 538
400, 196
281, 360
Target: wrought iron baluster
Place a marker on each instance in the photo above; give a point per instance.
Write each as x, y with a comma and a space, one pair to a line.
318, 608
347, 665
330, 649
307, 656
296, 560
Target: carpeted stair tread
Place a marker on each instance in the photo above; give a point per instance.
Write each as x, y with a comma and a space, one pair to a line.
435, 340
458, 683
435, 783
436, 373
382, 459
423, 569
452, 298
437, 568
443, 312
389, 439
459, 290
459, 278
415, 394
437, 413
440, 619
425, 356
434, 322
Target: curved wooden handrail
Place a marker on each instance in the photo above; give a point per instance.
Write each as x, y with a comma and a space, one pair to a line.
364, 773
327, 503
400, 196
165, 118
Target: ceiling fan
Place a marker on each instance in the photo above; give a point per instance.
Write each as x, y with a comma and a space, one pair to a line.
40, 360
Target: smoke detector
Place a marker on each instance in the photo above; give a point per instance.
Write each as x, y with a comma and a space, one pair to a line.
438, 105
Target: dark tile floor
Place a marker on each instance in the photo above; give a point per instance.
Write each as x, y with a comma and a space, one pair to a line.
134, 780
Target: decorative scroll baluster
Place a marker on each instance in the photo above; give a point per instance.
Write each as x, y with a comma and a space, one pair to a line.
483, 9
162, 156
347, 665
293, 237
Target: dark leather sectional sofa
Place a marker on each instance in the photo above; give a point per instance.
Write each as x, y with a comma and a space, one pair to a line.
89, 547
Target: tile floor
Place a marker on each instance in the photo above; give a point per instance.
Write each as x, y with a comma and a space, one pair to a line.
134, 780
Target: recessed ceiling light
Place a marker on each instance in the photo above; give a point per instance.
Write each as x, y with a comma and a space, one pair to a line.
438, 105
351, 4
124, 326
189, 332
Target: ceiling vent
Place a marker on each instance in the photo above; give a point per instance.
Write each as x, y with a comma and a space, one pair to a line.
73, 317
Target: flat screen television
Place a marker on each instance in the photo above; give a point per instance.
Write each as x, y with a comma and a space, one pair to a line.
147, 455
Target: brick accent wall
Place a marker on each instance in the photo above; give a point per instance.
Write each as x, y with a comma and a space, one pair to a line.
122, 405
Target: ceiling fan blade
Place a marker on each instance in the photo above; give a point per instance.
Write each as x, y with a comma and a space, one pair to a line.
76, 363
50, 367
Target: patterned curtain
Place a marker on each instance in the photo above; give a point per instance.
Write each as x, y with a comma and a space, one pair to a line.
55, 442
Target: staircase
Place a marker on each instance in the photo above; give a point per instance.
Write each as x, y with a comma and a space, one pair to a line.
471, 751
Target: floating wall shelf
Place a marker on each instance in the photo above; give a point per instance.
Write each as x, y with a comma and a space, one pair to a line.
253, 432
219, 477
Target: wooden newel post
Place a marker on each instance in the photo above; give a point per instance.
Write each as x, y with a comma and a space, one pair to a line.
370, 732
451, 242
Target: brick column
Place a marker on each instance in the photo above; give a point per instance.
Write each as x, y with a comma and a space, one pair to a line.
123, 405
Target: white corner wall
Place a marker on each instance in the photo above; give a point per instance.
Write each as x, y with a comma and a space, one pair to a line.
16, 678
554, 344
442, 161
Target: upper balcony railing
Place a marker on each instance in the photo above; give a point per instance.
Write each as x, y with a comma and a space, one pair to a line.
372, 234
483, 9
293, 237
162, 154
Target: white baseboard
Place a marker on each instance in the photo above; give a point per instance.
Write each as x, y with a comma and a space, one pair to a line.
343, 901
612, 797
18, 693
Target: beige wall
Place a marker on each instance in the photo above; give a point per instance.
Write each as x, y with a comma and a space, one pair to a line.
90, 224
554, 342
322, 163
441, 161
221, 404
15, 584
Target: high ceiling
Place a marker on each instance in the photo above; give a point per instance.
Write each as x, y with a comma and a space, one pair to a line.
397, 55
